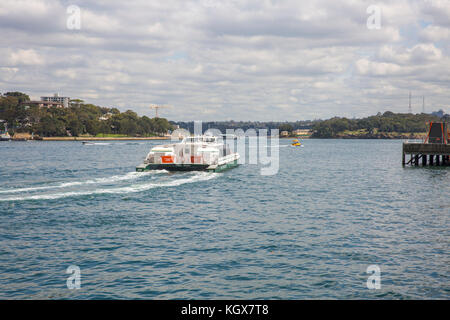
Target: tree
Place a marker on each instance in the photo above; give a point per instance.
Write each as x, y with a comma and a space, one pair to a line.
21, 97
78, 119
76, 102
285, 127
115, 111
75, 127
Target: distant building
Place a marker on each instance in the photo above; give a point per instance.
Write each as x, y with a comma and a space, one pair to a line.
47, 102
106, 116
302, 132
439, 113
284, 134
56, 98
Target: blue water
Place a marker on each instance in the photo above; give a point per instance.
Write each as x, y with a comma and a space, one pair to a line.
334, 208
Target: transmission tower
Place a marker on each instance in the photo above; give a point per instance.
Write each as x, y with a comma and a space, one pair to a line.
410, 109
423, 104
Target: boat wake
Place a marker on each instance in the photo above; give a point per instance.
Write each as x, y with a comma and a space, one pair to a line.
106, 180
134, 188
96, 143
87, 143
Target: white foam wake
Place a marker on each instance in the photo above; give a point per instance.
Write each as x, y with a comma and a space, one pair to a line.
96, 144
202, 176
128, 176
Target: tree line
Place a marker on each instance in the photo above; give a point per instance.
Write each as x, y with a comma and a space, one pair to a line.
387, 122
245, 125
79, 119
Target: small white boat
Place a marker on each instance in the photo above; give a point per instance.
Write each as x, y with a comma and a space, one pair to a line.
4, 135
198, 153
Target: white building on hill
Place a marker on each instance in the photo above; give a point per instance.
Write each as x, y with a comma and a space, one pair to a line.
64, 101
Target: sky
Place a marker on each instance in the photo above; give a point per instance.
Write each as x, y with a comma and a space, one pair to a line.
209, 60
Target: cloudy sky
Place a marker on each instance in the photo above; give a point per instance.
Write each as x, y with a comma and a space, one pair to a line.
231, 59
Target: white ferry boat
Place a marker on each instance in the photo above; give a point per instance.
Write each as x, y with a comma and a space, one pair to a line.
198, 153
4, 135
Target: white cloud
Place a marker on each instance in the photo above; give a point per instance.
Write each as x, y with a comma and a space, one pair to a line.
434, 33
7, 74
24, 57
419, 54
423, 53
366, 67
437, 10
66, 73
230, 59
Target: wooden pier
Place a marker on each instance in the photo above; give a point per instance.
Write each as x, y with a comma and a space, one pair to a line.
433, 154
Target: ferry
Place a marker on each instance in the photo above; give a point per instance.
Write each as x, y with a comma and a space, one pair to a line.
4, 135
197, 153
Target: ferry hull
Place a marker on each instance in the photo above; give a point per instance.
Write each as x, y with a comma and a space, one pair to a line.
187, 167
225, 166
5, 137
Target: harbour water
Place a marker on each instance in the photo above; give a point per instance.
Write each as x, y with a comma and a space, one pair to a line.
334, 208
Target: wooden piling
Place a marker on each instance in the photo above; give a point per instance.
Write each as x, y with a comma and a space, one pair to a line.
438, 153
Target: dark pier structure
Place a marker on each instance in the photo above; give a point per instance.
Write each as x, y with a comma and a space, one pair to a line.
434, 151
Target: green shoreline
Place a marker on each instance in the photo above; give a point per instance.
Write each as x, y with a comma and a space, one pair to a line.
378, 136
